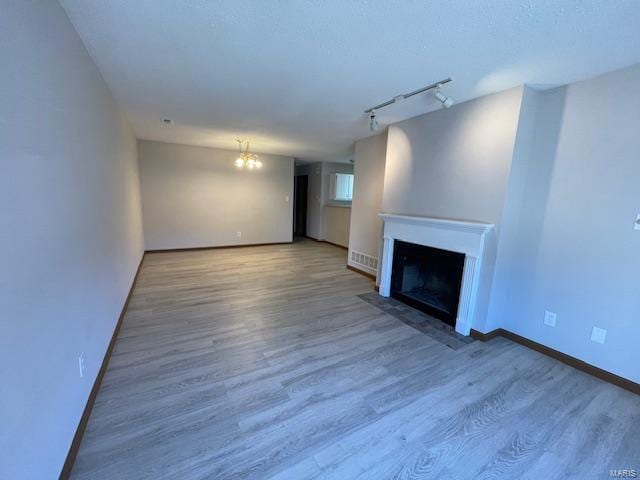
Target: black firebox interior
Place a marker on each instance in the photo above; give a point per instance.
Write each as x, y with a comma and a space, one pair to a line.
428, 279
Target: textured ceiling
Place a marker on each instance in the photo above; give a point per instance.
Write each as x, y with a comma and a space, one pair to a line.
293, 76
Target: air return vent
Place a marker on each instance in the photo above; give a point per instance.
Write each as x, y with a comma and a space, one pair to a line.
363, 262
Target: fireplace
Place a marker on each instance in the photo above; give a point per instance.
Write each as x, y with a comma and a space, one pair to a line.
455, 285
428, 279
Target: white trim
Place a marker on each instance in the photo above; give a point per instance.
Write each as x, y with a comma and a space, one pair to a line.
447, 223
387, 261
453, 235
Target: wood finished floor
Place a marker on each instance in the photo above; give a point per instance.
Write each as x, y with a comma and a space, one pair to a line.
263, 363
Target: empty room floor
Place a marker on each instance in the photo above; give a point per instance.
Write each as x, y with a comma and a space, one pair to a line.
263, 362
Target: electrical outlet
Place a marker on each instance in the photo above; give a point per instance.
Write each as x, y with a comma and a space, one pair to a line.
81, 364
239, 234
286, 198
598, 335
636, 226
550, 318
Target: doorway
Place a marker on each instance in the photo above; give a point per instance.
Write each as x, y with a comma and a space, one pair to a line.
301, 189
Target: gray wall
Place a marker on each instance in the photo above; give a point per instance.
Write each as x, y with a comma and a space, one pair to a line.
71, 232
366, 227
196, 197
506, 252
335, 220
453, 163
577, 253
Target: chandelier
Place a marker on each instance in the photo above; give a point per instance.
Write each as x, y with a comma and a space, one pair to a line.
246, 158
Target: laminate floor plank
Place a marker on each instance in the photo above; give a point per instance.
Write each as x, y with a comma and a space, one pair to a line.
276, 362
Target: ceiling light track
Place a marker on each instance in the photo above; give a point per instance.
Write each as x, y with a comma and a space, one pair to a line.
399, 98
447, 102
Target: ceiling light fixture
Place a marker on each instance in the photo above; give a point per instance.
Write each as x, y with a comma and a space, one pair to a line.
373, 123
246, 158
446, 101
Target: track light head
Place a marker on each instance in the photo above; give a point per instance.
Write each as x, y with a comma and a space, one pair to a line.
447, 102
373, 123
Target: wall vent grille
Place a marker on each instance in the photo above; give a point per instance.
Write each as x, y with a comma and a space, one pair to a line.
364, 262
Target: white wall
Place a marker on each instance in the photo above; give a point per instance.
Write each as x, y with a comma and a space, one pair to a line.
577, 253
365, 231
196, 197
71, 234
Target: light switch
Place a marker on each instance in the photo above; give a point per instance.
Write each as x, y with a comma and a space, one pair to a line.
82, 364
598, 335
550, 318
636, 226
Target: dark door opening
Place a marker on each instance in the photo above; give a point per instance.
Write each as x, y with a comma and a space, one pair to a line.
301, 188
428, 279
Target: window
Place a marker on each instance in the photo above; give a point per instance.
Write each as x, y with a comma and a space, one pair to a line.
341, 187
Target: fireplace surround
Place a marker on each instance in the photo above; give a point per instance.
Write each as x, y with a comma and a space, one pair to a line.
474, 240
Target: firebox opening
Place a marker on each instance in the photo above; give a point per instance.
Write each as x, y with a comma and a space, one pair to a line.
428, 279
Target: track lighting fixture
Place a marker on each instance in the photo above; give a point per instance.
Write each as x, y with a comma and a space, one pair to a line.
447, 102
373, 123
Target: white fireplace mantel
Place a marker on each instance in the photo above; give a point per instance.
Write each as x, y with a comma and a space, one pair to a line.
468, 238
